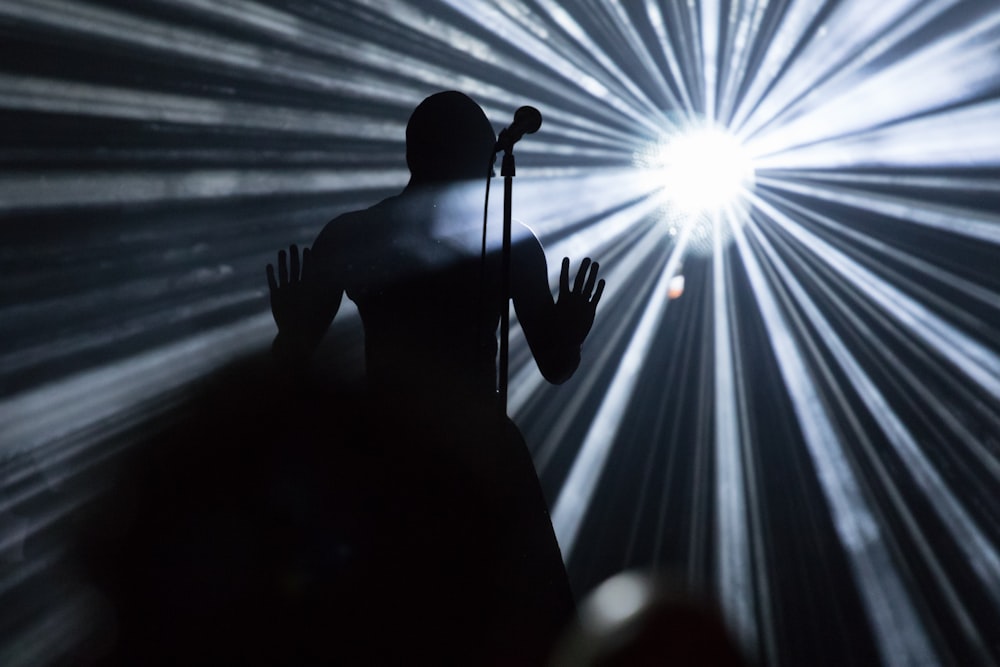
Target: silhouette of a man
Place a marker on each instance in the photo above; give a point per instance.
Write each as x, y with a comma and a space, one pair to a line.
412, 265
459, 497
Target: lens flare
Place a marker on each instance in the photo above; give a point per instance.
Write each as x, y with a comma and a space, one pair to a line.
704, 170
705, 176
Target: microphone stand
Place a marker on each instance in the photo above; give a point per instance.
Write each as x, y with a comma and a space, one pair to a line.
507, 171
526, 121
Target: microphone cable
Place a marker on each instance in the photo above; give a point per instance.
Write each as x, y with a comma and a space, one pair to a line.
482, 264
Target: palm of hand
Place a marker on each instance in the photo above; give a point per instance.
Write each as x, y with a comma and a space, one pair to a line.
575, 308
298, 303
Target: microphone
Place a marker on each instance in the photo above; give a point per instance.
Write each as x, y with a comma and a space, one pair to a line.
527, 120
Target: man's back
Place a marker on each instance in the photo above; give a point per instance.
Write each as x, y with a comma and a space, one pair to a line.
429, 305
464, 500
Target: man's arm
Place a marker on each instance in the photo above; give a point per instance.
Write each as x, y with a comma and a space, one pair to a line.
304, 301
555, 330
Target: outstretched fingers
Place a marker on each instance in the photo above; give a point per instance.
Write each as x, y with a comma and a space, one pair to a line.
598, 293
591, 279
581, 275
307, 266
293, 274
586, 280
290, 269
271, 282
282, 268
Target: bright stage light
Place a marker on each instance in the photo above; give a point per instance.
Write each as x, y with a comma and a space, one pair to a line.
704, 176
703, 170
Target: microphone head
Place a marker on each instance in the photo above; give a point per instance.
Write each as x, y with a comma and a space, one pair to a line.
528, 118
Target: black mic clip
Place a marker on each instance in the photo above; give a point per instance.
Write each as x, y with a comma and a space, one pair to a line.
527, 120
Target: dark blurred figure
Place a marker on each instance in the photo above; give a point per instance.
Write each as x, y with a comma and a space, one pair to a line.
267, 525
219, 542
637, 620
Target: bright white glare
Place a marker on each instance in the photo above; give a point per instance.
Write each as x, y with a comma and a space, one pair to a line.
703, 170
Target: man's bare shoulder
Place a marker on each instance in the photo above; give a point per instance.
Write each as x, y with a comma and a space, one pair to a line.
345, 233
521, 232
525, 244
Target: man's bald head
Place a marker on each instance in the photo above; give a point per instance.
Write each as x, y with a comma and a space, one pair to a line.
448, 138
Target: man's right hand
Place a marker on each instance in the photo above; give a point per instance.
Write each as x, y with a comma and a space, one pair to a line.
302, 304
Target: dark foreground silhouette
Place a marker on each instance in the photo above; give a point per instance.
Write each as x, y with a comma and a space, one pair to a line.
278, 523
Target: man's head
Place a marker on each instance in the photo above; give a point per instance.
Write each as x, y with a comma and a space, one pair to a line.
448, 138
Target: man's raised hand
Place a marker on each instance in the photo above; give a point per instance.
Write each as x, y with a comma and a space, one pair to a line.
576, 307
302, 304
